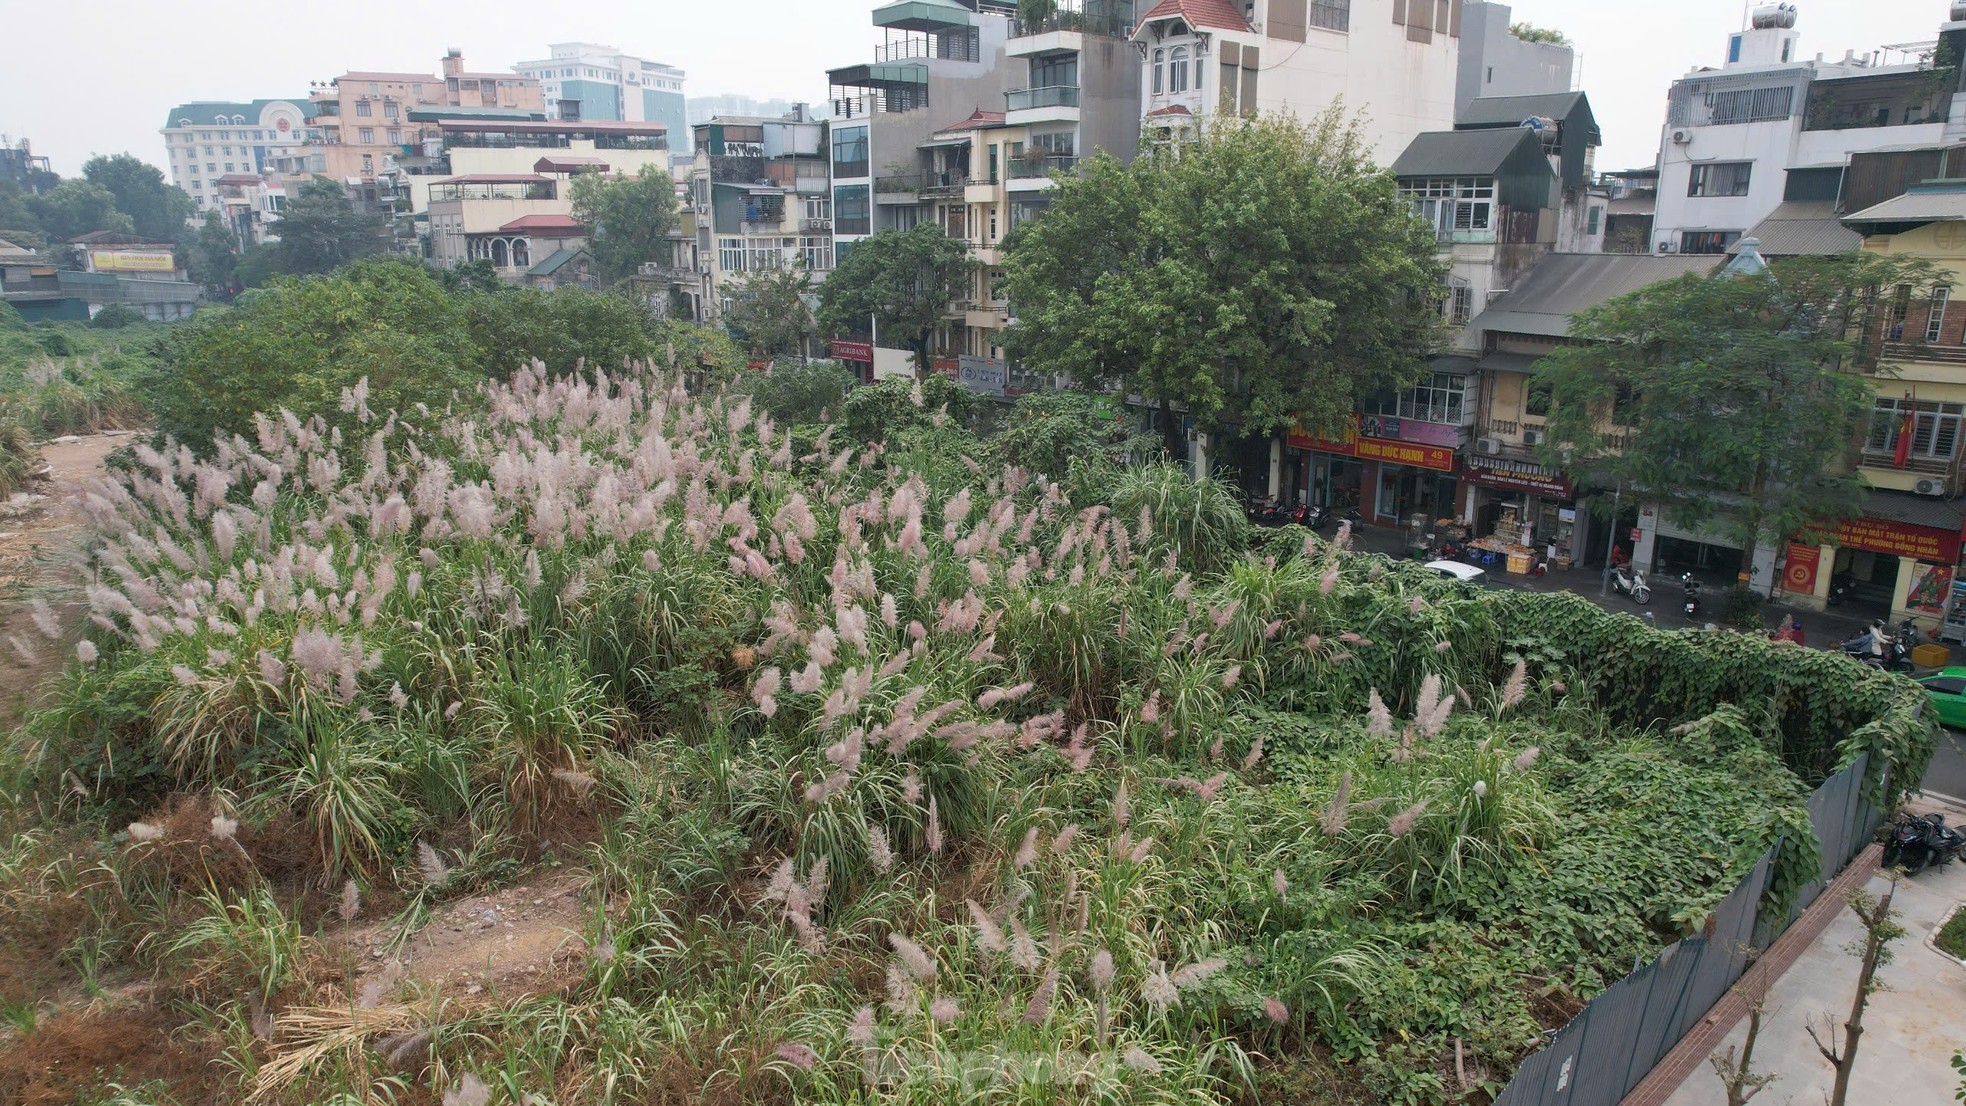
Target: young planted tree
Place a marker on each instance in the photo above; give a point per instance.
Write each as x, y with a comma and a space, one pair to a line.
1264, 274
1728, 399
770, 315
1881, 928
630, 217
901, 279
1738, 1076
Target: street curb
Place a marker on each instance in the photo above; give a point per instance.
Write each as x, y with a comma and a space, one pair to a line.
1932, 938
1690, 1054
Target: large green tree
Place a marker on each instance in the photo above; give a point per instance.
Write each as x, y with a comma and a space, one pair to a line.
1728, 400
769, 314
902, 280
156, 207
320, 231
630, 218
1261, 275
76, 207
212, 254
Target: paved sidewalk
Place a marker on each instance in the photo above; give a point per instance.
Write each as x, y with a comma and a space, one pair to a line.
1911, 1028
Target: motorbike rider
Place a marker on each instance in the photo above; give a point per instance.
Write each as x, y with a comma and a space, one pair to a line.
1880, 639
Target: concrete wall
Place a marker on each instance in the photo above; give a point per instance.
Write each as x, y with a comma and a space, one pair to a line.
1496, 63
1109, 97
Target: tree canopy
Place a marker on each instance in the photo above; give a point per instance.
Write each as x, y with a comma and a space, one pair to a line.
901, 279
211, 255
1529, 32
320, 231
1727, 400
1261, 275
769, 314
156, 207
630, 218
77, 207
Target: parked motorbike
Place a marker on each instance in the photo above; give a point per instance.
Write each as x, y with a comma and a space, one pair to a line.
1839, 588
1691, 604
1924, 842
1626, 580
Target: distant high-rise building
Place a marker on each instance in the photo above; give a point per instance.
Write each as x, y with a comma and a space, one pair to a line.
210, 139
588, 80
702, 109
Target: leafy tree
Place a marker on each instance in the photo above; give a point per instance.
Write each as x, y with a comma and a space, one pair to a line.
1264, 274
320, 231
884, 410
76, 207
212, 255
1529, 32
630, 217
564, 329
19, 223
298, 342
903, 280
1046, 431
802, 393
157, 208
473, 276
1725, 399
116, 316
770, 315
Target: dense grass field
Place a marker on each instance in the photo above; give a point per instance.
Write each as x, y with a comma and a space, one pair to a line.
882, 774
65, 378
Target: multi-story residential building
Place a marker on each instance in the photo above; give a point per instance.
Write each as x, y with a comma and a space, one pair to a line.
509, 219
477, 147
762, 198
362, 121
250, 205
1215, 57
589, 81
210, 139
1494, 62
1733, 134
1081, 89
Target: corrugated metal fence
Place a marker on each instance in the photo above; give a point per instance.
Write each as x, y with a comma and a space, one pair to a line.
1614, 1043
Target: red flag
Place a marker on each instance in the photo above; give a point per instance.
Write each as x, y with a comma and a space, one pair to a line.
1906, 432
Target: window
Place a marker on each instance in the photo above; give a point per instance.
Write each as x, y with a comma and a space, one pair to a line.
1332, 15
374, 88
390, 110
817, 253
850, 209
228, 166
1707, 241
850, 152
1596, 222
1463, 206
395, 136
211, 167
1716, 103
451, 84
1160, 64
1460, 304
368, 164
488, 90
1537, 401
228, 151
1440, 398
1055, 71
363, 108
1720, 178
204, 136
1177, 69
819, 207
1935, 316
209, 151
730, 255
1934, 428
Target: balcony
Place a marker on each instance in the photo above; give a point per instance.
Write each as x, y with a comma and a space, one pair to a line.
1920, 351
1029, 168
1048, 104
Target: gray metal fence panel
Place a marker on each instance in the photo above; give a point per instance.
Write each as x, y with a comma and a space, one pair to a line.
1616, 1017
1674, 970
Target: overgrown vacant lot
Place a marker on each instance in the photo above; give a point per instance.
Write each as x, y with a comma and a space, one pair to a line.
861, 772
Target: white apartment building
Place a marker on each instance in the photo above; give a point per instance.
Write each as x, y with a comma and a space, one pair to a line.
1768, 126
1395, 63
209, 139
592, 81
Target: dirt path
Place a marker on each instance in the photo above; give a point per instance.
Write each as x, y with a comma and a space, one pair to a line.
43, 531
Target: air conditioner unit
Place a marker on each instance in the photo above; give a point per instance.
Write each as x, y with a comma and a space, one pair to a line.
1930, 486
1489, 446
1682, 137
1532, 437
1666, 247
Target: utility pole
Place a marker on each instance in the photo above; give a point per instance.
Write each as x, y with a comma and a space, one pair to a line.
1611, 545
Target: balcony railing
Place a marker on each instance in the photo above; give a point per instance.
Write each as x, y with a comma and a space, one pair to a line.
1926, 466
1920, 351
1048, 96
901, 182
1023, 168
950, 47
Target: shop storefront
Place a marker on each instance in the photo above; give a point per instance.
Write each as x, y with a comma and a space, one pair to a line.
1530, 506
859, 355
1388, 479
1894, 569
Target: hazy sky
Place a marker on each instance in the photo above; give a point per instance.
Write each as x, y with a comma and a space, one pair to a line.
84, 77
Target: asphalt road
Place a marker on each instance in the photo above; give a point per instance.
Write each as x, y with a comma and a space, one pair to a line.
1947, 776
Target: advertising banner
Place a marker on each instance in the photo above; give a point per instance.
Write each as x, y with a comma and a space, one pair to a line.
1409, 430
1520, 477
844, 350
1930, 585
132, 261
1901, 539
1800, 575
981, 374
1438, 458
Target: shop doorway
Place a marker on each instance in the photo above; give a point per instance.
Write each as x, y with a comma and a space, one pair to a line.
1870, 579
1405, 492
1713, 565
1336, 482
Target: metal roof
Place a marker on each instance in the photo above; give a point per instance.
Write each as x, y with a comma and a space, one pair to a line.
219, 113
1461, 153
1563, 284
1509, 111
923, 15
1799, 228
552, 261
1918, 510
1920, 205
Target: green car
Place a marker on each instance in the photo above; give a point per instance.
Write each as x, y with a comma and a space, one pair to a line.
1948, 688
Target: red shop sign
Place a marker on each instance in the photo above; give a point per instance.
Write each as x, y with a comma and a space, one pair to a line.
844, 350
1902, 539
1535, 482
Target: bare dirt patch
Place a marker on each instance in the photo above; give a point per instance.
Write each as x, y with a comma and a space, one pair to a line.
44, 533
512, 941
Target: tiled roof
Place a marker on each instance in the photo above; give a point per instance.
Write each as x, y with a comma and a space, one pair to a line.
219, 113
977, 120
1919, 510
1171, 109
1220, 14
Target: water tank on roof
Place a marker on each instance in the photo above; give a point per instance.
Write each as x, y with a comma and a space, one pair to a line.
1774, 16
1542, 124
